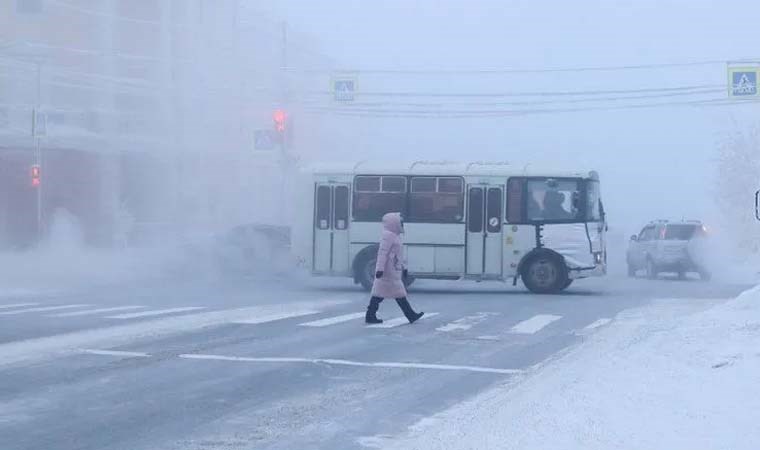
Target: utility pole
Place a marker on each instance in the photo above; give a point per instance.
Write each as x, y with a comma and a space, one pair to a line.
285, 101
38, 148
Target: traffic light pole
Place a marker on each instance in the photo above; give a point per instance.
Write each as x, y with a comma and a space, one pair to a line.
38, 149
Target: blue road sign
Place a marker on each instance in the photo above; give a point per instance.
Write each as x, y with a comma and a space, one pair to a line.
743, 82
344, 89
264, 140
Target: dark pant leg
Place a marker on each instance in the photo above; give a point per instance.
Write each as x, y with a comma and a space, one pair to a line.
374, 304
406, 308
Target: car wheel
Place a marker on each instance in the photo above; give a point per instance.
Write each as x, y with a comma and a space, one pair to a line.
651, 270
544, 272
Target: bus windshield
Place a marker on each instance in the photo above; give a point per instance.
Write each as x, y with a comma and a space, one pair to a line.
559, 200
553, 200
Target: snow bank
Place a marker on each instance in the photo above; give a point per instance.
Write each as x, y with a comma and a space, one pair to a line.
657, 378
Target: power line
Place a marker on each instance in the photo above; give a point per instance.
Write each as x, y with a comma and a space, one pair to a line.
461, 114
527, 94
359, 105
497, 71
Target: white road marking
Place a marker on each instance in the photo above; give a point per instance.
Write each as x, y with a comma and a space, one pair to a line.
534, 324
17, 305
41, 309
333, 320
466, 322
95, 311
599, 323
398, 321
156, 312
42, 348
115, 353
488, 338
344, 362
264, 318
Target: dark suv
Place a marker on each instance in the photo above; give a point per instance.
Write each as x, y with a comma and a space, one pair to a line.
664, 246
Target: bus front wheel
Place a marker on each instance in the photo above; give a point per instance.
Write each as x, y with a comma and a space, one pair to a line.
545, 272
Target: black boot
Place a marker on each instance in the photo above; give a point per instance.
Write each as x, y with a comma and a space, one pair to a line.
371, 316
411, 316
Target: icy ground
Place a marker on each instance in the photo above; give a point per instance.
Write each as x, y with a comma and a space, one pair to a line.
660, 377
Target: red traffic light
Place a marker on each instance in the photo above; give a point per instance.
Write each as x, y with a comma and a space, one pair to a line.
280, 117
36, 175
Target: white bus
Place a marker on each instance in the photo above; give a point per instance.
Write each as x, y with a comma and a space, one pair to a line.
472, 221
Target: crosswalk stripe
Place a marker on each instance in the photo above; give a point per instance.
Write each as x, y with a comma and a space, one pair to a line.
115, 353
598, 323
466, 322
156, 312
534, 324
271, 317
89, 312
332, 320
42, 309
345, 362
392, 323
17, 305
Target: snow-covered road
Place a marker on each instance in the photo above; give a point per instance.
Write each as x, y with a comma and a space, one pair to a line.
239, 365
664, 376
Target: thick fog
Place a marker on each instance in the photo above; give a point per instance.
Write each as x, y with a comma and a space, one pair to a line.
170, 94
657, 152
655, 162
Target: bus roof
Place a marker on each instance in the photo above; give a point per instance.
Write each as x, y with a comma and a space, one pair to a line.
482, 168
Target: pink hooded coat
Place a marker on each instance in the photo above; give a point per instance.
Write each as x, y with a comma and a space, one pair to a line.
390, 260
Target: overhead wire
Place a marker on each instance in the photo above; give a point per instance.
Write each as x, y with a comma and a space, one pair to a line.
359, 104
452, 114
496, 71
523, 93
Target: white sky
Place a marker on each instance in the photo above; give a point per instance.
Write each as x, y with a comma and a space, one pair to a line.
653, 162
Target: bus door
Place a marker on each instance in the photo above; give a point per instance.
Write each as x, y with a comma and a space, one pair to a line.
484, 230
331, 219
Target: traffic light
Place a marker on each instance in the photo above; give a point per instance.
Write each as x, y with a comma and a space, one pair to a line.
280, 120
35, 175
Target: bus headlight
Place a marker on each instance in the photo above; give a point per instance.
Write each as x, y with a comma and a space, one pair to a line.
598, 257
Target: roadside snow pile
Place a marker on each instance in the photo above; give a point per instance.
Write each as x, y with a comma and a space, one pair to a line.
657, 378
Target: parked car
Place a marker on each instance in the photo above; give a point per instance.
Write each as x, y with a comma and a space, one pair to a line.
252, 247
664, 246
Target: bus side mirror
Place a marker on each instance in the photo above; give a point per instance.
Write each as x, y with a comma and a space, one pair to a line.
634, 238
757, 205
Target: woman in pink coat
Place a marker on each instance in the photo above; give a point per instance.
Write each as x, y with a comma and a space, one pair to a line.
390, 271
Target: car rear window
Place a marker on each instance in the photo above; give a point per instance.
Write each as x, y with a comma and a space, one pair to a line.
679, 232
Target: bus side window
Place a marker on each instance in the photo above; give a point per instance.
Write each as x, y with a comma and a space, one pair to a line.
436, 199
515, 189
375, 196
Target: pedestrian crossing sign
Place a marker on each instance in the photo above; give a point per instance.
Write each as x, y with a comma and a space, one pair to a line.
343, 89
742, 82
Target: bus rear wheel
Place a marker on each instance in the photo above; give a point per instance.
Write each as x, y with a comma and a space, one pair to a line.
364, 269
544, 272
